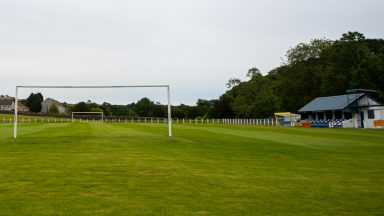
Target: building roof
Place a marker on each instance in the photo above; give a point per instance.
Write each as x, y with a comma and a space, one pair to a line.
2, 97
338, 102
6, 102
52, 101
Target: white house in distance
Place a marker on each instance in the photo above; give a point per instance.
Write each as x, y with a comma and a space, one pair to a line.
47, 103
357, 109
8, 105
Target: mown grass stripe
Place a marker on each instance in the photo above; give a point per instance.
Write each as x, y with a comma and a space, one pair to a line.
136, 169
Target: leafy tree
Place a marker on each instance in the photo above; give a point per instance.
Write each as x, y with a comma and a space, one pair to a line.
253, 99
204, 106
253, 72
352, 36
34, 102
221, 108
146, 107
190, 111
303, 52
53, 109
352, 62
233, 82
178, 112
96, 109
158, 110
80, 107
143, 107
319, 68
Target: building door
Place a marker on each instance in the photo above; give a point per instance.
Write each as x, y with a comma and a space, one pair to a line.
362, 119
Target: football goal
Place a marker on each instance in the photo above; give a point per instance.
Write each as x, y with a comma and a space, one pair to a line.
87, 115
167, 87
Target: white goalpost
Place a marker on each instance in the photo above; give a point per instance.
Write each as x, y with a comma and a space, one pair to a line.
100, 87
102, 115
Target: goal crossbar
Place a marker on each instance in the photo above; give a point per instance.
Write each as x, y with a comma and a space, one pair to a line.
97, 86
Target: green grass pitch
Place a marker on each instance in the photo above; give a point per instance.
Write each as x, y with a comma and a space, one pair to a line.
135, 169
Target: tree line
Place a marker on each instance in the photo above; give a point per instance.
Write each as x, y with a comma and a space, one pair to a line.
144, 108
319, 68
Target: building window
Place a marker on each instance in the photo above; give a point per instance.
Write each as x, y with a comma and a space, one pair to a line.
371, 114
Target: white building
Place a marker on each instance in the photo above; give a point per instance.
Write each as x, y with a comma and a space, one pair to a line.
47, 103
357, 110
8, 105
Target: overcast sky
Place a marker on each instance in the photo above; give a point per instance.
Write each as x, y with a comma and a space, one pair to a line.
193, 45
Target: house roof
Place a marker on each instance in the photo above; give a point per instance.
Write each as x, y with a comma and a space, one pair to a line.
52, 101
6, 102
6, 98
338, 102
